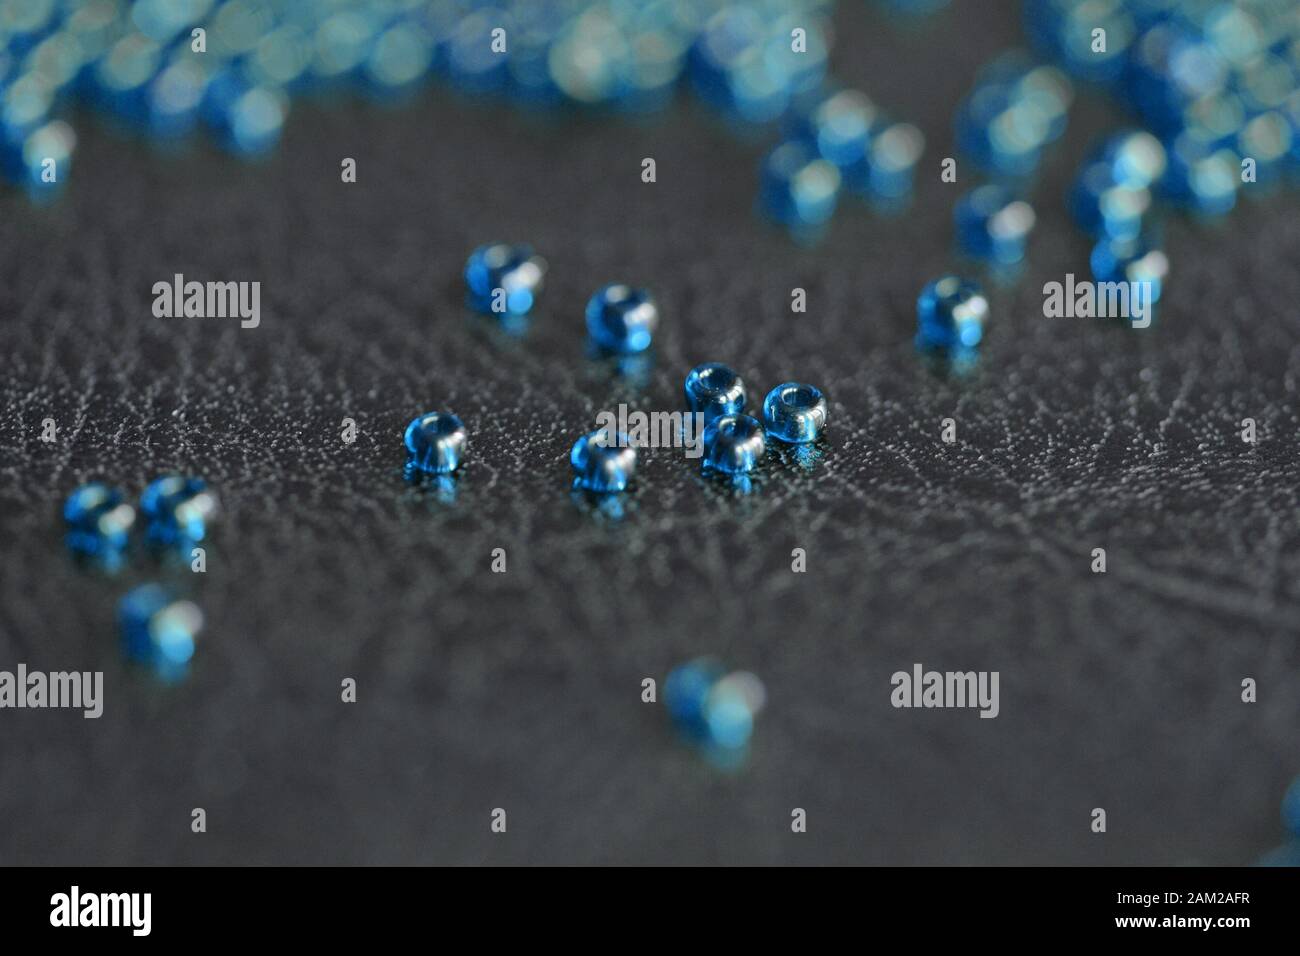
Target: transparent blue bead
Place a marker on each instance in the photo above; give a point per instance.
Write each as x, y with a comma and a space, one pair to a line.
1105, 208
1200, 176
622, 319
798, 187
686, 689
603, 462
99, 521
435, 442
839, 127
158, 630
177, 509
1134, 158
513, 270
993, 224
1291, 807
889, 164
714, 390
734, 444
1130, 260
794, 412
951, 312
712, 708
1002, 134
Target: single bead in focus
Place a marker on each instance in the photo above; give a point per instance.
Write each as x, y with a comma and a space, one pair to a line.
603, 461
794, 412
714, 390
158, 630
951, 312
1130, 260
435, 442
622, 319
504, 279
177, 509
797, 187
734, 444
99, 522
993, 224
1105, 208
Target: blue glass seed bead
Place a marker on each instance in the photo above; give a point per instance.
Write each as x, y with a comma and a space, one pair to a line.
1130, 260
686, 689
889, 164
951, 313
158, 630
734, 444
839, 127
1134, 158
1200, 176
177, 509
1001, 135
993, 224
714, 390
435, 442
794, 412
622, 319
798, 187
1105, 208
512, 269
98, 520
603, 462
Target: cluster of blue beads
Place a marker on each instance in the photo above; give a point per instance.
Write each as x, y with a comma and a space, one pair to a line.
99, 521
712, 708
1015, 111
840, 142
1213, 83
140, 61
734, 443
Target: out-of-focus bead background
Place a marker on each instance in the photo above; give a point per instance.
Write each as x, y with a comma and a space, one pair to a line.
522, 690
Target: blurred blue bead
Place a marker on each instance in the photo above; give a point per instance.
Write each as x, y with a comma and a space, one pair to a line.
889, 165
686, 688
1076, 41
734, 444
839, 126
177, 510
158, 630
798, 187
1200, 176
604, 462
98, 521
342, 44
1002, 134
794, 413
435, 442
1268, 139
714, 390
993, 224
470, 61
246, 119
1105, 208
951, 313
123, 75
1134, 158
24, 106
174, 99
513, 270
46, 158
400, 58
712, 708
1130, 260
622, 319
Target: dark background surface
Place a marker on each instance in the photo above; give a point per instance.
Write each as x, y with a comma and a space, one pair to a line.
479, 690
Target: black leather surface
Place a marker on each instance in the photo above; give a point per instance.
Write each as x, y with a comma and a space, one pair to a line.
522, 690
